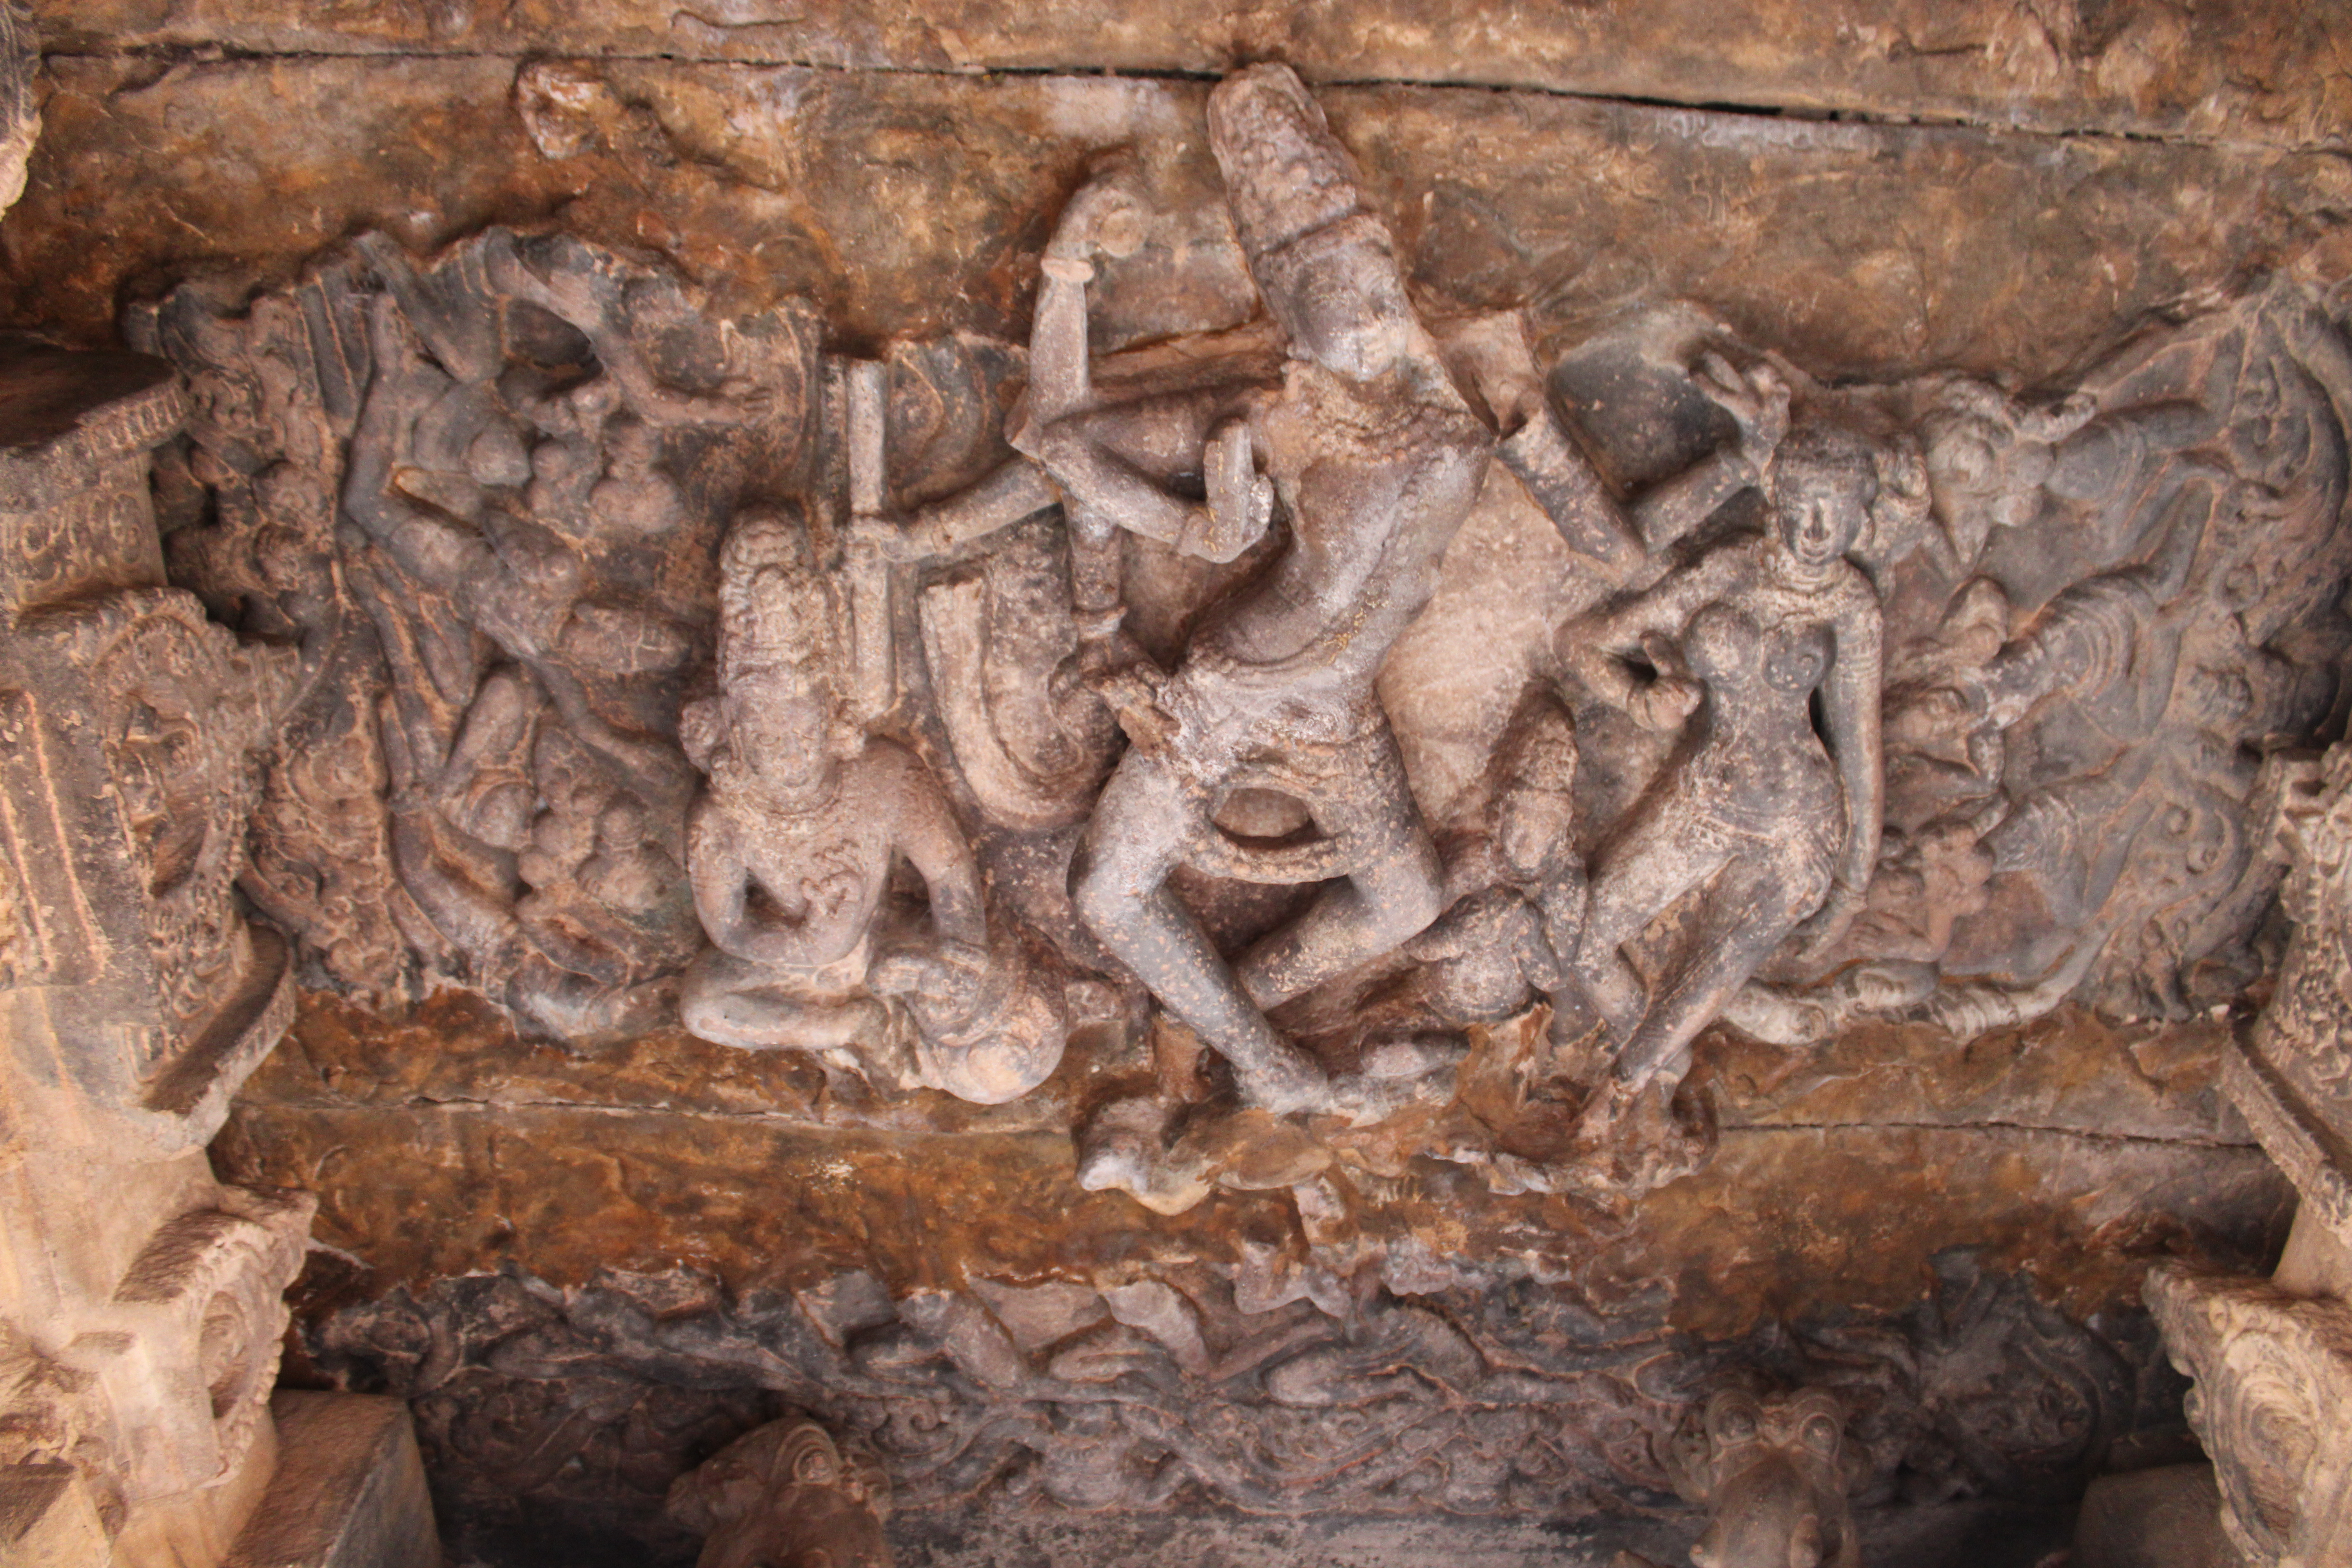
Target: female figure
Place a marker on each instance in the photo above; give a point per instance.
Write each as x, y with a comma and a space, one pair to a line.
1760, 818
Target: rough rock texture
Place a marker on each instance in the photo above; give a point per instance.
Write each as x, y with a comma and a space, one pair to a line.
848, 1267
559, 1418
447, 1146
2244, 71
902, 204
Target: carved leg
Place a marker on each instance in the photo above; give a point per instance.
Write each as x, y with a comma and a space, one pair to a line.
1395, 891
729, 1002
1118, 885
1749, 911
1655, 860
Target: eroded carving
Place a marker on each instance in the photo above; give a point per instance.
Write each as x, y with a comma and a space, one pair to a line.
1773, 1473
792, 850
1759, 826
531, 446
786, 1495
1124, 1396
2274, 1371
1914, 701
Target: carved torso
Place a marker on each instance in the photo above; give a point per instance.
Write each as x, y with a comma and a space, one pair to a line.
1374, 482
816, 874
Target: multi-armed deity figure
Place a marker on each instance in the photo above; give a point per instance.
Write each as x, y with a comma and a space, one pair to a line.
1373, 459
792, 850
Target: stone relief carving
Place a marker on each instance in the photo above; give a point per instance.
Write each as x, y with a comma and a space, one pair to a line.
1374, 460
1762, 824
481, 495
1186, 1385
144, 1305
791, 849
137, 729
1916, 701
1773, 1473
2293, 1079
786, 1495
2271, 1358
204, 1307
2273, 1369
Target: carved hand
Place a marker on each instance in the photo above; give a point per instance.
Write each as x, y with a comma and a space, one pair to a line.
1757, 402
1664, 703
1503, 371
887, 537
1133, 692
1904, 498
2060, 419
1096, 659
1104, 217
942, 980
1241, 499
746, 400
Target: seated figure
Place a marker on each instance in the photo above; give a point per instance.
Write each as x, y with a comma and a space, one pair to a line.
791, 849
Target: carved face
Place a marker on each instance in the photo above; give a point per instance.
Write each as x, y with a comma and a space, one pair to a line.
1982, 474
778, 726
1344, 304
1820, 512
1770, 1475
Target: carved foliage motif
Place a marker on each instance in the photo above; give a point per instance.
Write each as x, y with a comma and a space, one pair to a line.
204, 1304
2293, 1079
1133, 1395
184, 716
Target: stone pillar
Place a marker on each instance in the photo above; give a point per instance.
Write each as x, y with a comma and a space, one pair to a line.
142, 1301
2272, 1358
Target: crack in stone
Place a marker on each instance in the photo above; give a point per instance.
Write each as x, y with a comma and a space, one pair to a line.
177, 54
786, 1119
2095, 1136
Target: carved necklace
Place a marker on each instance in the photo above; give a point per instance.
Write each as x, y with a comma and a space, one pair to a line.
747, 790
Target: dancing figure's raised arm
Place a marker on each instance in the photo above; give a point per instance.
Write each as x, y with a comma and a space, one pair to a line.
1057, 423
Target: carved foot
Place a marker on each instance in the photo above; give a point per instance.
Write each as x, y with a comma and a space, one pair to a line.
1284, 1082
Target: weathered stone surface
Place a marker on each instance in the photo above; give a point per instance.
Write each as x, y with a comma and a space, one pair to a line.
413, 420
2170, 1517
786, 1496
349, 1492
2273, 1373
556, 1419
903, 204
445, 1146
142, 1302
2245, 69
1948, 1535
